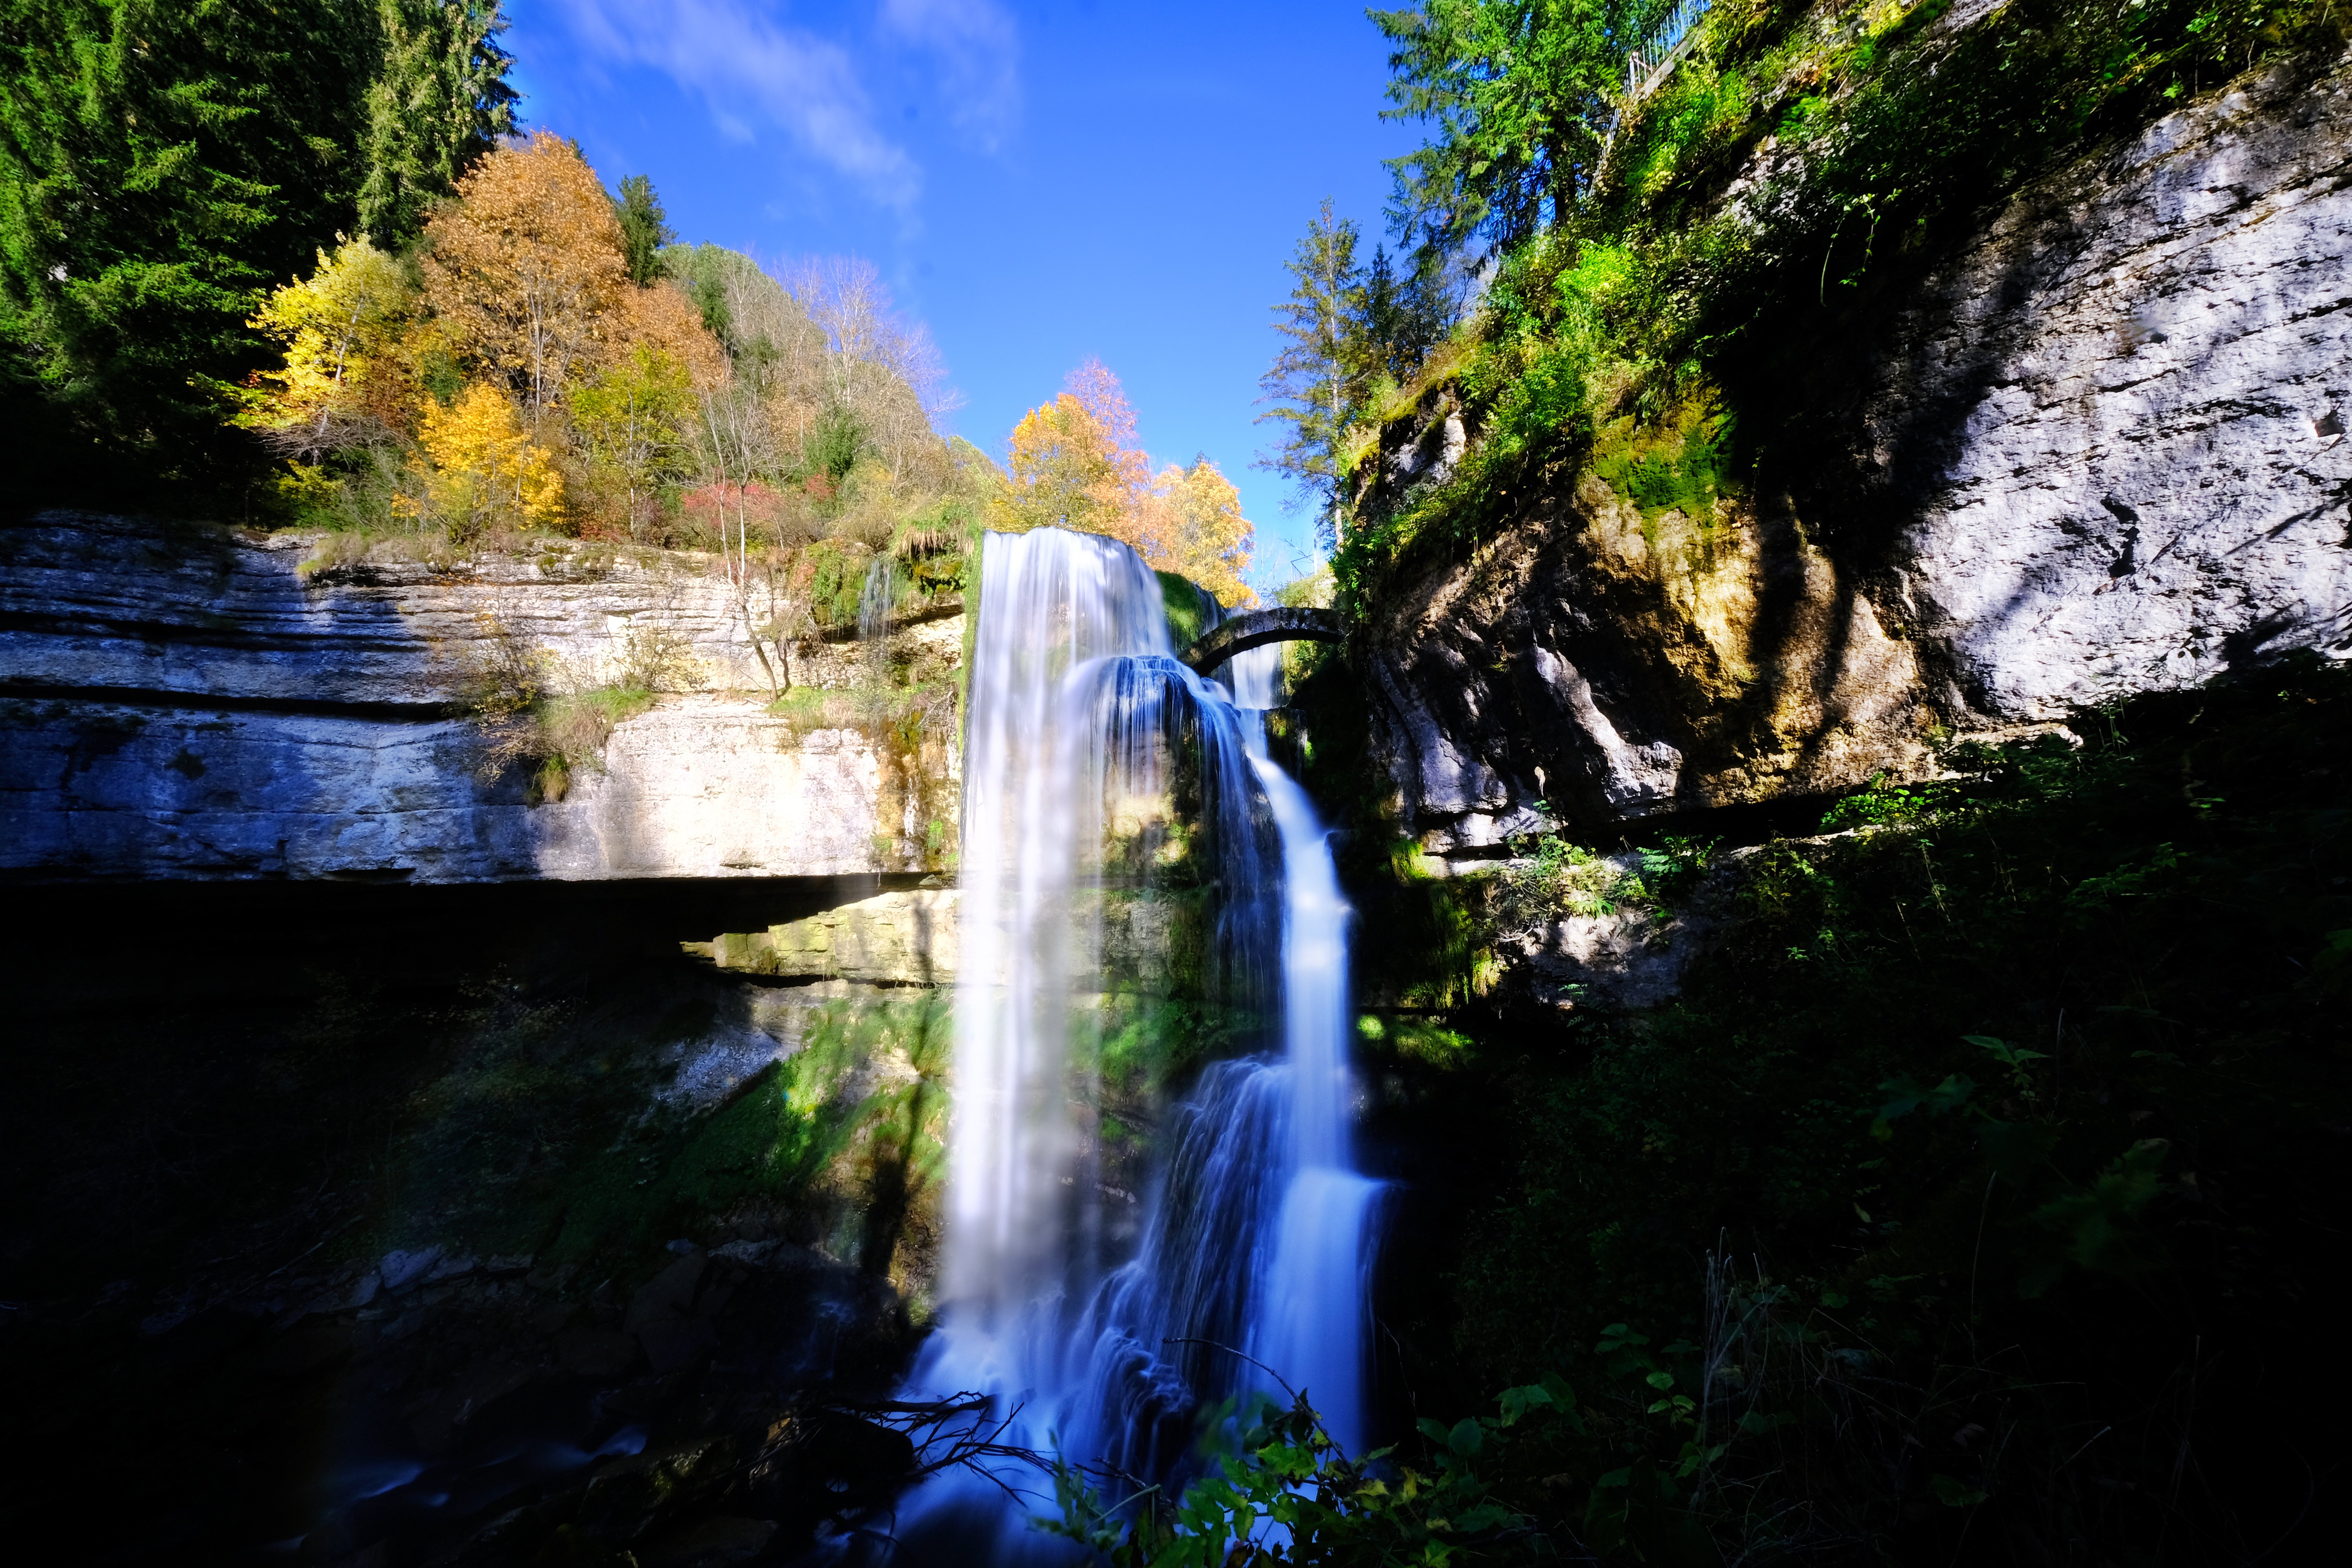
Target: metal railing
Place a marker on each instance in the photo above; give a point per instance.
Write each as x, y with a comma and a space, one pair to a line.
1647, 63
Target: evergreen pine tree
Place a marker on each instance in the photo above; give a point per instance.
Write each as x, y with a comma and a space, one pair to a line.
1399, 319
1313, 381
439, 101
644, 228
161, 161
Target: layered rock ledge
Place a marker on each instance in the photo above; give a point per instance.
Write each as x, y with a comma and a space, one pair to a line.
194, 704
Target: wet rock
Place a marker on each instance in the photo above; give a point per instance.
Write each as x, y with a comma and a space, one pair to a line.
889, 938
306, 1347
755, 1254
512, 1537
673, 1344
555, 1278
667, 1294
552, 1320
628, 1497
442, 1417
402, 1269
672, 1316
345, 1292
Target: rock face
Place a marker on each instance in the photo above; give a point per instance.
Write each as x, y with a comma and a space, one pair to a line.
912, 938
198, 707
892, 938
2099, 449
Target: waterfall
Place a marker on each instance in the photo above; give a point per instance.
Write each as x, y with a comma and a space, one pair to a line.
1098, 1322
875, 600
1315, 1297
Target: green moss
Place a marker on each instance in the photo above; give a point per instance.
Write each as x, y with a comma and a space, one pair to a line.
1187, 605
1681, 463
821, 1134
837, 582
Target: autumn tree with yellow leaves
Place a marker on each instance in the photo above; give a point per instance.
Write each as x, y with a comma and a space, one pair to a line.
480, 468
1193, 524
1073, 464
523, 371
345, 379
1067, 472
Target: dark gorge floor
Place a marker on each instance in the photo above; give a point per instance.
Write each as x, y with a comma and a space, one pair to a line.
390, 1225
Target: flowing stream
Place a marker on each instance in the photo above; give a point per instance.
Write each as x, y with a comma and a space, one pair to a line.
1097, 1286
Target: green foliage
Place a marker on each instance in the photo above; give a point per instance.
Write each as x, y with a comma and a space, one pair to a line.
160, 163
2029, 1089
1277, 1488
1188, 607
1673, 866
837, 582
1883, 803
821, 1131
1627, 292
1144, 1044
160, 166
438, 100
1519, 95
1353, 334
1680, 464
1561, 879
644, 228
528, 713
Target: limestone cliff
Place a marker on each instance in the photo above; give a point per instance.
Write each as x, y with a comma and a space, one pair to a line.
197, 705
2096, 449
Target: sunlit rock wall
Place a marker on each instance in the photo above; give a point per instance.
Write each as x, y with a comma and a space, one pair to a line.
2098, 448
189, 704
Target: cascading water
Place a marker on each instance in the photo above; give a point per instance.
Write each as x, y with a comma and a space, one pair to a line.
1313, 1305
873, 604
1098, 1330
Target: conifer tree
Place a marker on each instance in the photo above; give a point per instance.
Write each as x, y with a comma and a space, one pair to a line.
439, 101
161, 161
1312, 382
644, 228
1519, 96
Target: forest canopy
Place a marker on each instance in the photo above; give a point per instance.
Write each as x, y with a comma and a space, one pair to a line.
161, 165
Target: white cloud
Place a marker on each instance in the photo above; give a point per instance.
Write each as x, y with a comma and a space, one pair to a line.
978, 52
748, 68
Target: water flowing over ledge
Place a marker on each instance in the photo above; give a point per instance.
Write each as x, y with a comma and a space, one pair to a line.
1102, 1325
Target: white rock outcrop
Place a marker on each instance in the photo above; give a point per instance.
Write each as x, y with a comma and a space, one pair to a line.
191, 705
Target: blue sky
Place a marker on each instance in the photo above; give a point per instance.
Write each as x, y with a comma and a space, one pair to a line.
1038, 182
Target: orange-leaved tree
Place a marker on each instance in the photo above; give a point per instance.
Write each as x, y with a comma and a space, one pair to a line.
1193, 524
661, 317
480, 468
525, 267
1071, 465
